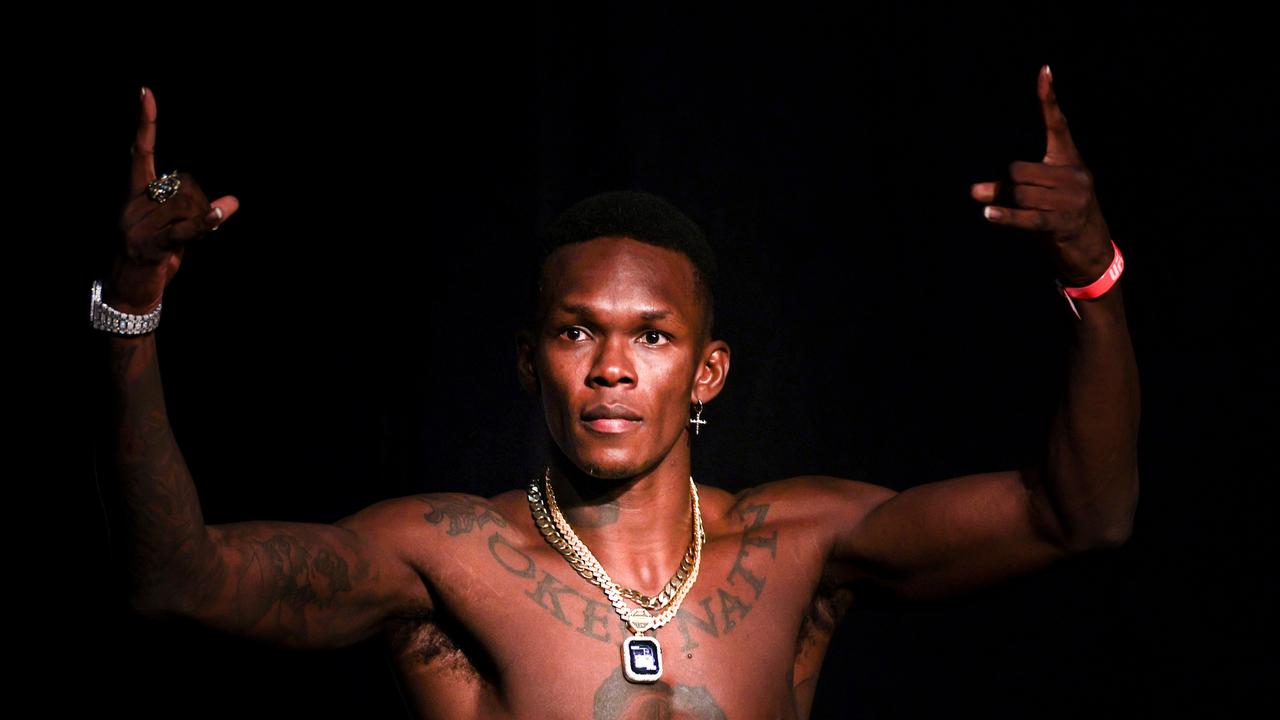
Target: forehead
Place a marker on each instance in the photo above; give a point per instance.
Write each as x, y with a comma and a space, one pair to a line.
621, 275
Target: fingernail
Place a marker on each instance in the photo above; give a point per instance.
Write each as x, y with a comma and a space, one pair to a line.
990, 213
144, 91
1048, 72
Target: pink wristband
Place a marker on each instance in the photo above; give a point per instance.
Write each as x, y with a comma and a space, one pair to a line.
1098, 287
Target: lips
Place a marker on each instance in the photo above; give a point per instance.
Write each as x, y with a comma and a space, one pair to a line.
611, 418
610, 412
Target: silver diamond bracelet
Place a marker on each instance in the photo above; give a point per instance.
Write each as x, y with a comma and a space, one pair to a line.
104, 317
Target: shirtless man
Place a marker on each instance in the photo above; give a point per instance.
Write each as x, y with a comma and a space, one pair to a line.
486, 618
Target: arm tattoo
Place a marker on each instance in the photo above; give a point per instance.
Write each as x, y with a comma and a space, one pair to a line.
155, 509
463, 513
281, 575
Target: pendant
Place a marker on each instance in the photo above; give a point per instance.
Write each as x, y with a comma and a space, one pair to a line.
640, 620
641, 655
641, 659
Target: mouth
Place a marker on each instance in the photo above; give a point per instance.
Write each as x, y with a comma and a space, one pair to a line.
611, 419
612, 426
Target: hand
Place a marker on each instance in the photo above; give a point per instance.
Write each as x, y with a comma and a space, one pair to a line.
154, 235
1054, 198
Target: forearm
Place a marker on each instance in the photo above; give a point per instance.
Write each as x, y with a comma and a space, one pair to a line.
1090, 466
158, 529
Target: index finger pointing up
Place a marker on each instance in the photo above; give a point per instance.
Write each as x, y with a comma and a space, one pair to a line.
1060, 149
144, 145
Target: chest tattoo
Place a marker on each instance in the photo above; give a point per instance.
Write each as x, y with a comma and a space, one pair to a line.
719, 613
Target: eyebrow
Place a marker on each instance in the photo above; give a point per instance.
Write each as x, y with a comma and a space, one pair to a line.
584, 311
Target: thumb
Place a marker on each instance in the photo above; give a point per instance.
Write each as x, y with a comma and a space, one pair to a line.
221, 209
214, 218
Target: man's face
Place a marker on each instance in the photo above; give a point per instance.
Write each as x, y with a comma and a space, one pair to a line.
620, 354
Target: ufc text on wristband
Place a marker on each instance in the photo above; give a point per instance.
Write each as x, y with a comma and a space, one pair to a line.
1098, 287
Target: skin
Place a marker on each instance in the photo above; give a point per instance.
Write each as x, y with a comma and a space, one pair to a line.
485, 619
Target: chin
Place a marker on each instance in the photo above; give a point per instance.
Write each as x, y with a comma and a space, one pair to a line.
609, 468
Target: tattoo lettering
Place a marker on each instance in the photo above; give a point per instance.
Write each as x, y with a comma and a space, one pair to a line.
548, 591
743, 496
750, 540
684, 618
730, 604
526, 570
722, 610
461, 513
596, 612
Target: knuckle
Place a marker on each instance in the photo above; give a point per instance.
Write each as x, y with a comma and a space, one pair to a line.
191, 187
1021, 170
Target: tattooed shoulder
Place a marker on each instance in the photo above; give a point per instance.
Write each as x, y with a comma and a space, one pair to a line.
744, 496
459, 513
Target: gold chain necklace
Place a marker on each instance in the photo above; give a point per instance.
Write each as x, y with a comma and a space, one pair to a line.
584, 568
641, 654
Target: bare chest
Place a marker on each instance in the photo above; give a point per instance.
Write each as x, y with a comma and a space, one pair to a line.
517, 631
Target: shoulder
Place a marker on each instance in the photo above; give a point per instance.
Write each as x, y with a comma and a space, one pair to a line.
453, 512
820, 507
425, 524
809, 498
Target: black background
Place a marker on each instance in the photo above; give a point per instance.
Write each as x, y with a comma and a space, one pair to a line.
348, 336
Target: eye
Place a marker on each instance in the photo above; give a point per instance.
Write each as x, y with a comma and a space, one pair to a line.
655, 337
573, 333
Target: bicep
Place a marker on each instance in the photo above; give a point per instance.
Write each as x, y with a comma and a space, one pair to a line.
940, 538
308, 585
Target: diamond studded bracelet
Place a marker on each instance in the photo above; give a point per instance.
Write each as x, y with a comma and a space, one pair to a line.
108, 319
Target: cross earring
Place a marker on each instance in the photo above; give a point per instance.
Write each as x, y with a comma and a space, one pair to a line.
697, 420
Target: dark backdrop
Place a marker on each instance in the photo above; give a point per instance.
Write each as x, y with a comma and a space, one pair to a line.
348, 336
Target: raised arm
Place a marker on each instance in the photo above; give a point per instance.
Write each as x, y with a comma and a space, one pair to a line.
295, 584
1082, 492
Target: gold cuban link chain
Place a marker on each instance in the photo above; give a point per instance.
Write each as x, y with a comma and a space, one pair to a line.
556, 530
586, 570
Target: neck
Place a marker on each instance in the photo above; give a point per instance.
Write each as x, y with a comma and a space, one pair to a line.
638, 528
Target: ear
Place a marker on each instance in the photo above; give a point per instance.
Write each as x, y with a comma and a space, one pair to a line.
712, 372
526, 366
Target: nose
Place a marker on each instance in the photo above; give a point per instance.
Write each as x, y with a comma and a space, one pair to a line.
612, 364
